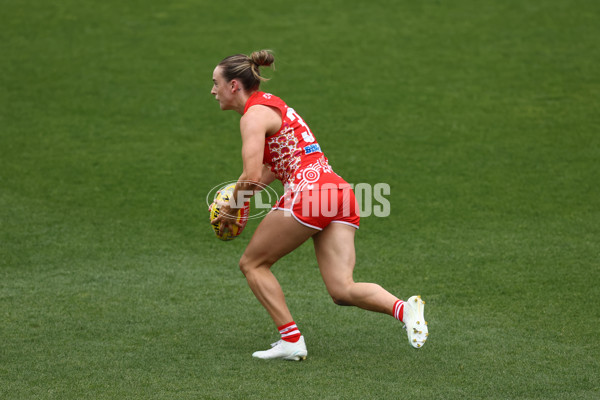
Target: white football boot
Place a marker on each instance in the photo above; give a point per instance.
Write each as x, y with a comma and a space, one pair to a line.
284, 350
414, 320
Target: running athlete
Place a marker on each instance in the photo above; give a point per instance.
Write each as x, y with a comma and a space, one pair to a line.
317, 204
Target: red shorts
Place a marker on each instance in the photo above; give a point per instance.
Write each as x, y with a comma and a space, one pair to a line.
320, 205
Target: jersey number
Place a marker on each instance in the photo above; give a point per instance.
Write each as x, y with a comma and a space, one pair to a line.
307, 134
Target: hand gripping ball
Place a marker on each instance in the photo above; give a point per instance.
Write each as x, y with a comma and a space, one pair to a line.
223, 196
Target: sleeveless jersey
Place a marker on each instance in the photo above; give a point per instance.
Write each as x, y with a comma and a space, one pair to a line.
293, 153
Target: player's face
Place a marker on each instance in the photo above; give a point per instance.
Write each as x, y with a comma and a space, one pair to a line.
221, 90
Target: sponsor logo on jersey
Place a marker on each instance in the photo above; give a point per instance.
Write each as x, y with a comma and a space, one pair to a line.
312, 148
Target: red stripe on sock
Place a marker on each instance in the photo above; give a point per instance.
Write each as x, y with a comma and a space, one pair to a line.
282, 327
290, 332
399, 310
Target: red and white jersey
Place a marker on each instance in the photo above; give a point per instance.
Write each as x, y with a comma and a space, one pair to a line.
293, 153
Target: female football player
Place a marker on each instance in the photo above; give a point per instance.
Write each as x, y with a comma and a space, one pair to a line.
278, 144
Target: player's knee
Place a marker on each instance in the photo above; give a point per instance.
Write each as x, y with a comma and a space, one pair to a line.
340, 301
340, 297
340, 291
247, 264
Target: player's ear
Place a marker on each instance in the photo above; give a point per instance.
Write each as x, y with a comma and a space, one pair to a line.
235, 86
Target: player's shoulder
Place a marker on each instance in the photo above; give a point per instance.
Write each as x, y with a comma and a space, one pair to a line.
266, 98
259, 111
262, 116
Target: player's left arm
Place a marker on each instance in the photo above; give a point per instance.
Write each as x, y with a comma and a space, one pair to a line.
258, 122
255, 125
267, 176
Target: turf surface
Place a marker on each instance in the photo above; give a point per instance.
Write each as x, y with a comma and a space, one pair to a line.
482, 116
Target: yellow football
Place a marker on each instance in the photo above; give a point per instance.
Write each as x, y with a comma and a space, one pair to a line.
223, 196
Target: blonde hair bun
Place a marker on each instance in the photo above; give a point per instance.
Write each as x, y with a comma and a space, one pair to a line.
247, 69
263, 58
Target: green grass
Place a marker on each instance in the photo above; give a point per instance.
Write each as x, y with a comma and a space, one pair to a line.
482, 116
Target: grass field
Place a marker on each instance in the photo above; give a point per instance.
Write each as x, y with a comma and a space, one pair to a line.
483, 116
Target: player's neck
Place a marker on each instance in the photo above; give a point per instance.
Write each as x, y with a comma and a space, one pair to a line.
241, 101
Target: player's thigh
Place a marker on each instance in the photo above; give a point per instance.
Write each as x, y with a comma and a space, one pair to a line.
278, 234
334, 247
